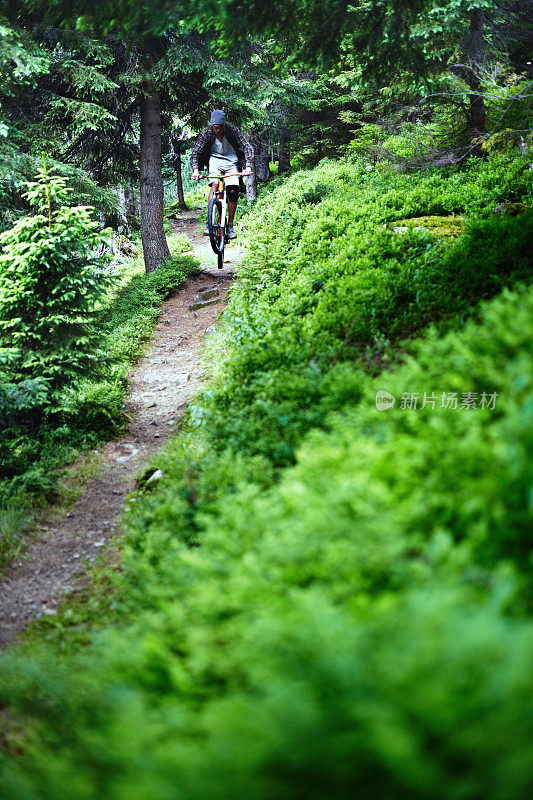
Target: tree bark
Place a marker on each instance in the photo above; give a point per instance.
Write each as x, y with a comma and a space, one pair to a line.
470, 72
251, 186
154, 242
262, 160
284, 162
132, 208
179, 180
477, 122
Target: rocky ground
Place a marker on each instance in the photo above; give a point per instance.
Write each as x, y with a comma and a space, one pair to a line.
161, 385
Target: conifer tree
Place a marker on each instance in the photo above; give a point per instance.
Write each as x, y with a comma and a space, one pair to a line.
52, 283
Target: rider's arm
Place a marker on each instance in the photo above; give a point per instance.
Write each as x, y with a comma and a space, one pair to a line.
201, 143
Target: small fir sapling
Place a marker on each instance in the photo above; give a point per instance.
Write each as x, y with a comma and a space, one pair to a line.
52, 285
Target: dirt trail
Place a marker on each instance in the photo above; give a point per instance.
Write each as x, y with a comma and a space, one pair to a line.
161, 385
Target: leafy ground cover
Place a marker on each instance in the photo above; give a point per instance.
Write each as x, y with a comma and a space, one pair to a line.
358, 627
327, 283
356, 623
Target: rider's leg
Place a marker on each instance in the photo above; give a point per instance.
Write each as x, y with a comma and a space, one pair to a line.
233, 198
232, 208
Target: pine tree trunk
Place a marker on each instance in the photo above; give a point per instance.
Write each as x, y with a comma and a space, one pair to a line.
132, 208
179, 179
251, 186
262, 161
284, 163
155, 247
477, 121
132, 203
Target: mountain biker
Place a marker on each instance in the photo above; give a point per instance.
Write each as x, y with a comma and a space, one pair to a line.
223, 148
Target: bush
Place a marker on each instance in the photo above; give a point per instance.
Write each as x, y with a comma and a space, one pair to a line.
52, 284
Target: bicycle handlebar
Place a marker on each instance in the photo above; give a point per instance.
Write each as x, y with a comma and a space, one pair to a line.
229, 175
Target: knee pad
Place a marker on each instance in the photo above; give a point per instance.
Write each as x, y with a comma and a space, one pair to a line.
233, 193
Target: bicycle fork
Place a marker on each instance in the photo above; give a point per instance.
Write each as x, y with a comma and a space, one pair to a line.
224, 205
223, 215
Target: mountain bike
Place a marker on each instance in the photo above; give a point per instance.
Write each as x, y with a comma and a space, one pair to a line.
217, 216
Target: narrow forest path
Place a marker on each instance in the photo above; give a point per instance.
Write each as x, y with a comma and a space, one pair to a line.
160, 386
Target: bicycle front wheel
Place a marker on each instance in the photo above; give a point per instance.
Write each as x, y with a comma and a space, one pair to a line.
216, 232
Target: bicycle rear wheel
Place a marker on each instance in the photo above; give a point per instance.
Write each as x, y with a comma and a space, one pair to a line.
216, 232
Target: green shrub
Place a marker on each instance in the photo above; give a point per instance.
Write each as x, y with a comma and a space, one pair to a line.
432, 699
13, 522
378, 499
18, 396
52, 284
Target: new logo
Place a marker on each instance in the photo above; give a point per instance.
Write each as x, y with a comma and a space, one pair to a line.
384, 400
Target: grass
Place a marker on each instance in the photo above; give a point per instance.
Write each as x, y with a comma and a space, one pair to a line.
14, 522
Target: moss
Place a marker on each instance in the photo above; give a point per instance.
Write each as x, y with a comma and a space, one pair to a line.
172, 207
511, 209
447, 227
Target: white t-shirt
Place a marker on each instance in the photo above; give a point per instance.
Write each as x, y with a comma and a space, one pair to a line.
223, 157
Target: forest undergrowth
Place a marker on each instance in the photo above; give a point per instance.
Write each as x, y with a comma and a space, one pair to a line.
323, 597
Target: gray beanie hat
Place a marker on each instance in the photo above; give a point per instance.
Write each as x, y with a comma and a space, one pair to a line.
218, 117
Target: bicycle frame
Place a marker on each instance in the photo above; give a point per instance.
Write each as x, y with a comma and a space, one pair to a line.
220, 193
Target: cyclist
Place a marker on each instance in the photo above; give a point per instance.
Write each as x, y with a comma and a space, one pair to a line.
223, 148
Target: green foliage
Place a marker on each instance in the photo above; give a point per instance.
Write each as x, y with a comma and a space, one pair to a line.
504, 140
357, 629
21, 60
318, 599
14, 520
18, 396
64, 102
17, 168
378, 498
450, 227
414, 140
327, 281
52, 284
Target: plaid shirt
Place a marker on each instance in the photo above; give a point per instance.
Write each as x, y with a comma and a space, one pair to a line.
202, 149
